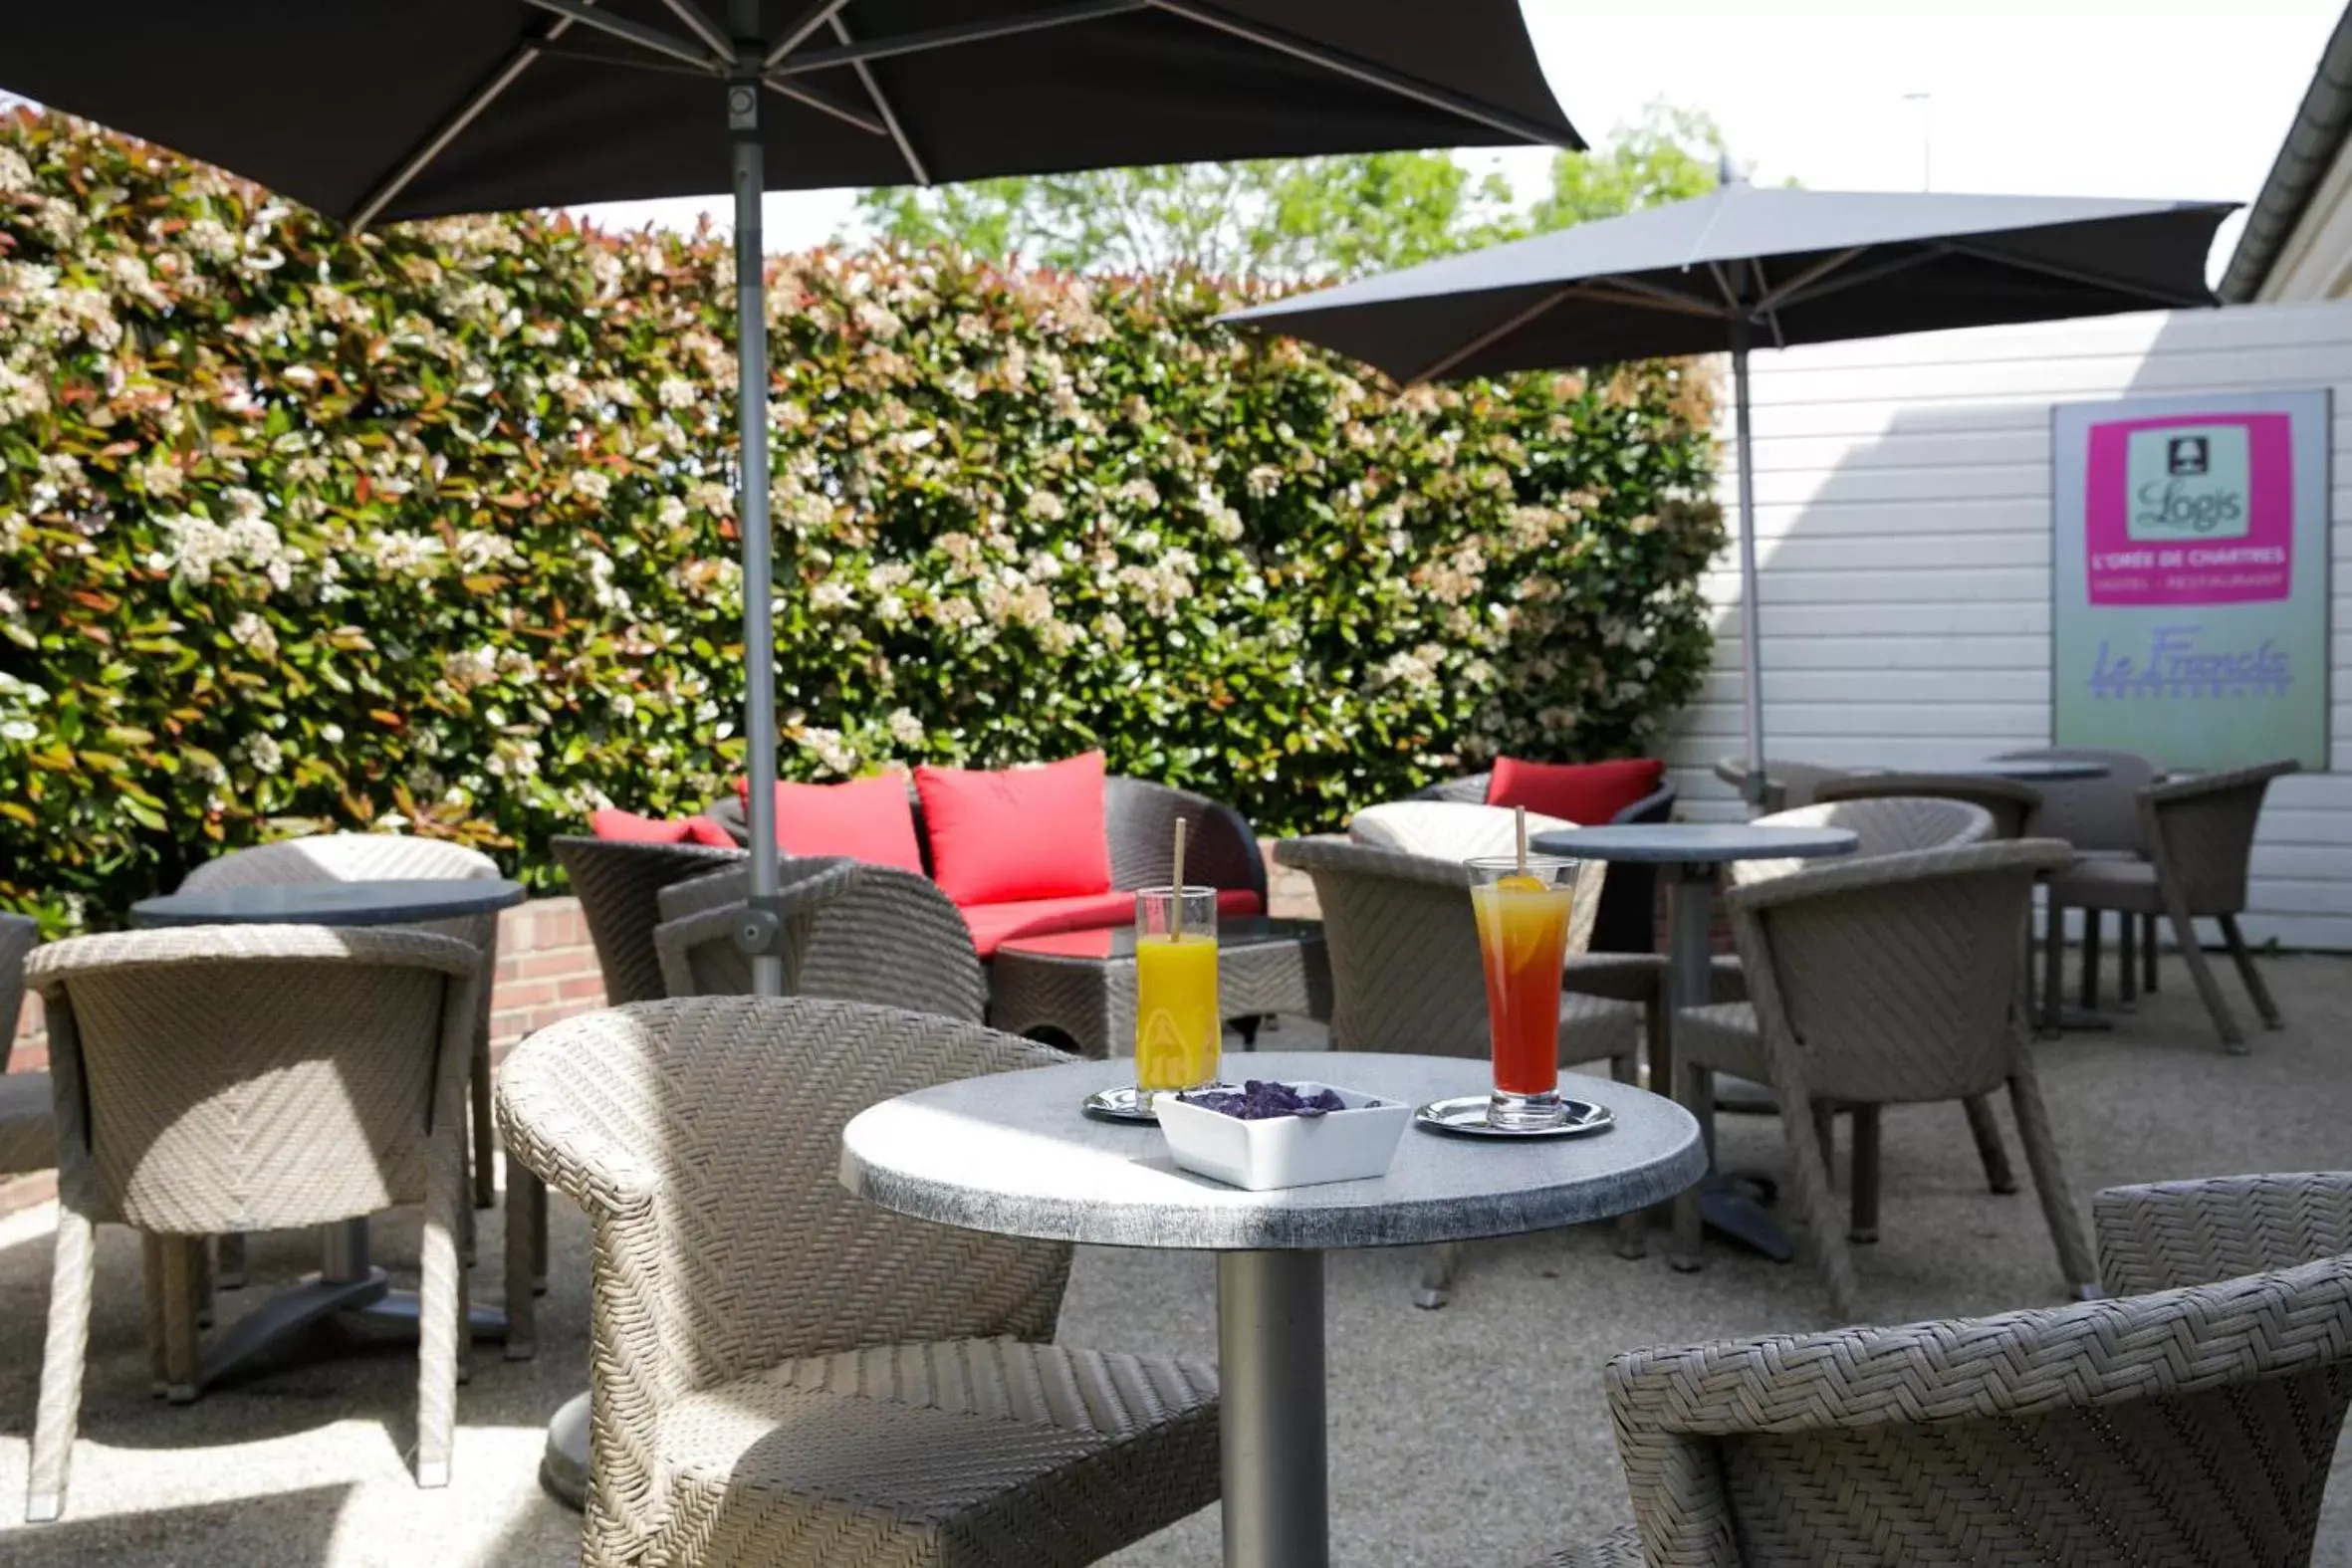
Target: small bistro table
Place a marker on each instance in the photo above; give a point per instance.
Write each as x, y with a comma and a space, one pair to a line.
1691, 853
1013, 1154
2020, 770
348, 1286
1081, 984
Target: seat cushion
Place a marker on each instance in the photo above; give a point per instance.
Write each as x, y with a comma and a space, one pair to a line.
2108, 882
998, 835
958, 1454
993, 925
28, 1131
1578, 791
1444, 830
629, 827
870, 819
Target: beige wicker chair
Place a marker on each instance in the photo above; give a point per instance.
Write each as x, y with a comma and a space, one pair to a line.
2190, 1426
2100, 817
855, 932
1788, 784
2200, 832
2015, 808
1883, 981
783, 1375
28, 1132
231, 1078
1406, 976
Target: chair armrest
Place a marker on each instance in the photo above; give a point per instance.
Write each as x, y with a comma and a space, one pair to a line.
1656, 806
2190, 785
1620, 976
2168, 1235
1333, 853
552, 1133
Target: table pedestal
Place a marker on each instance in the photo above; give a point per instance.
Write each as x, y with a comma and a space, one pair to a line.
1269, 1369
1724, 1204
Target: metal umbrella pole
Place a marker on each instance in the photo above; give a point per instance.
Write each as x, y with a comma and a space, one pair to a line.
1751, 582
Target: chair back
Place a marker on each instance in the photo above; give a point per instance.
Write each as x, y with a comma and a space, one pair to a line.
18, 935
2092, 815
1406, 973
2201, 833
2162, 1235
1625, 918
619, 887
2015, 807
343, 857
221, 1079
1139, 819
1788, 784
853, 932
1891, 827
703, 1137
2191, 1428
1893, 976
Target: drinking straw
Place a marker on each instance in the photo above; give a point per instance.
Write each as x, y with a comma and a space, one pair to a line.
1176, 916
1519, 827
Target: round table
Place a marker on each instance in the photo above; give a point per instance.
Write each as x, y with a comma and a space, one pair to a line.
1691, 853
2021, 770
347, 1287
1013, 1154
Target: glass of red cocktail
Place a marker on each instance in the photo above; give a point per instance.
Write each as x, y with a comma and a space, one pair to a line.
1523, 908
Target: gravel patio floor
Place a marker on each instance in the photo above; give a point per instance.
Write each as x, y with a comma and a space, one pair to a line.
1473, 1435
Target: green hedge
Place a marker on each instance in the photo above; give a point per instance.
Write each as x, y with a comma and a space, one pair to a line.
432, 525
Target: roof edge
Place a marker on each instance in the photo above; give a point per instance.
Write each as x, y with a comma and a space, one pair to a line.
2321, 125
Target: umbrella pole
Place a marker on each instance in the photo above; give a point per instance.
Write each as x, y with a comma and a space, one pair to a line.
761, 932
1750, 610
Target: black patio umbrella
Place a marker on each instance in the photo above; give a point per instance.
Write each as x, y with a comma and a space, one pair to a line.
382, 109
1745, 265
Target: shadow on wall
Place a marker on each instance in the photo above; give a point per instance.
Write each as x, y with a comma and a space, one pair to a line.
1904, 519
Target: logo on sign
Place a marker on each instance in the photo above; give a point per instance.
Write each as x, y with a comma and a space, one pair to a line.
2191, 509
2188, 484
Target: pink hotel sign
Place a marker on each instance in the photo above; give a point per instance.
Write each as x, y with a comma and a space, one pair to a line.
2196, 509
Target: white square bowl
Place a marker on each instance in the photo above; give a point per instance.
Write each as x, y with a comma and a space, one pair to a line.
1286, 1151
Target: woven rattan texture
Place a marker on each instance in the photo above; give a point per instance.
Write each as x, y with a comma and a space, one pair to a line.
228, 1078
701, 1136
2168, 1235
2093, 815
1625, 917
2015, 807
1092, 1004
619, 887
1139, 818
27, 1137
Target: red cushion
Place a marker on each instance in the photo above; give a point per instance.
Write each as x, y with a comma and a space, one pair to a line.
629, 828
867, 819
993, 925
1017, 833
1587, 794
702, 830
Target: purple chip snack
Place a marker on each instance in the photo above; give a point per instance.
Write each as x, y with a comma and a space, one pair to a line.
1261, 1099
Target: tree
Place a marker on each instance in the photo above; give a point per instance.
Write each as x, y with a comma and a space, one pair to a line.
1669, 154
1291, 218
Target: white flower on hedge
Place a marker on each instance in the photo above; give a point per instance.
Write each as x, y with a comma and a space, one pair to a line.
21, 395
467, 669
590, 486
15, 173
1045, 506
1139, 492
19, 730
331, 734
831, 596
1263, 480
1414, 669
716, 499
251, 632
905, 727
513, 757
398, 552
832, 753
1111, 630
158, 475
670, 513
263, 751
479, 550
677, 392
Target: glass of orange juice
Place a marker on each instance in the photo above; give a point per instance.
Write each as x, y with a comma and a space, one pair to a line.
1177, 1025
1522, 941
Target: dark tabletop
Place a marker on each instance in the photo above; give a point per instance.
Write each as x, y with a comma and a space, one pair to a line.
2025, 770
1697, 843
1105, 944
391, 903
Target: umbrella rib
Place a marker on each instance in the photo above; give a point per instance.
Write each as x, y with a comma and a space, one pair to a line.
1489, 338
803, 28
947, 37
388, 190
1839, 282
826, 105
881, 104
652, 39
1621, 289
1782, 293
1286, 43
604, 57
701, 26
2073, 275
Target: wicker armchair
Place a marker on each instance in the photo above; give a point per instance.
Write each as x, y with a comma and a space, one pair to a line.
2100, 817
2015, 808
1406, 976
853, 932
28, 1131
2200, 832
1787, 784
619, 887
1626, 919
2189, 1426
784, 1375
231, 1078
1904, 972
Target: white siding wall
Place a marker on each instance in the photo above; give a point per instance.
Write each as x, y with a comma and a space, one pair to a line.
1903, 526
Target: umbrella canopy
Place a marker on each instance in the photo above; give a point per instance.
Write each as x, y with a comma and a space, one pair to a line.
400, 109
1744, 266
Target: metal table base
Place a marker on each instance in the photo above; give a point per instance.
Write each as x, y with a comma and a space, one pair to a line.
1274, 1472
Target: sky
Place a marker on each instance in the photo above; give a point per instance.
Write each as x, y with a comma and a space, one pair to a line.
2085, 97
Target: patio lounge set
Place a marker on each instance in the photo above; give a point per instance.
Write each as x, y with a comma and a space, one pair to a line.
784, 1370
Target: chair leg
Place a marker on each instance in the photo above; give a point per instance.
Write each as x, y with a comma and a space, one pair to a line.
1989, 1148
2049, 1180
526, 1231
1694, 1090
1864, 1177
2209, 989
63, 1362
2127, 959
440, 1321
150, 1259
1436, 1286
180, 1287
1822, 1220
485, 1159
228, 1261
2054, 968
2092, 920
2148, 954
2244, 957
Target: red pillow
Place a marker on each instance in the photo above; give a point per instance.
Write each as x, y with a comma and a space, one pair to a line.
1023, 832
867, 819
629, 828
1587, 794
